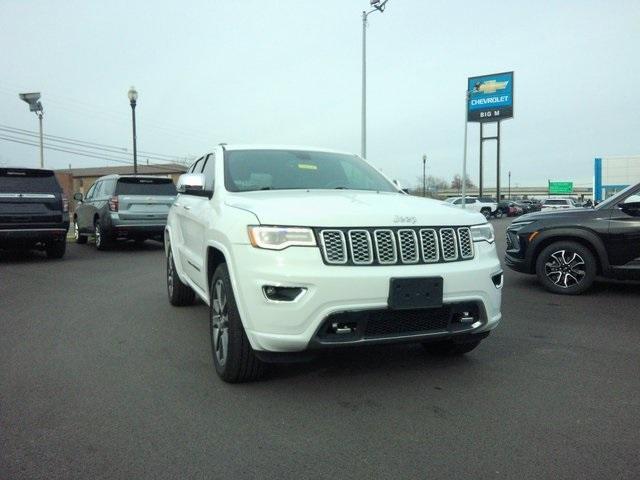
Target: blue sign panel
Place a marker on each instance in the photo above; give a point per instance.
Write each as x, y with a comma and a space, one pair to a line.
490, 97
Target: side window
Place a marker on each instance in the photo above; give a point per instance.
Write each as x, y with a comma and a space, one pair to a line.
90, 193
458, 202
209, 171
97, 193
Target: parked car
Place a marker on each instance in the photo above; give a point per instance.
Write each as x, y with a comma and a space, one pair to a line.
509, 209
297, 250
123, 207
567, 248
478, 205
556, 204
34, 212
530, 206
525, 207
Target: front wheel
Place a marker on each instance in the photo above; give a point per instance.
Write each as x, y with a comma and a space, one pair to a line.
486, 212
81, 239
180, 294
567, 268
234, 359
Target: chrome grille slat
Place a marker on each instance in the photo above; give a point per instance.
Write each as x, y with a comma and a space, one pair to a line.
429, 245
449, 244
334, 246
408, 241
385, 247
361, 248
395, 245
465, 243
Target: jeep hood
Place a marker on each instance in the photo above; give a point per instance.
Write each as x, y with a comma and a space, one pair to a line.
349, 208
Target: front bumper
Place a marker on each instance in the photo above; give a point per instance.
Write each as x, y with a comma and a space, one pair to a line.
294, 326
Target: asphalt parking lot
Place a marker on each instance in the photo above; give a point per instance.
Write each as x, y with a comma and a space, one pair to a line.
101, 378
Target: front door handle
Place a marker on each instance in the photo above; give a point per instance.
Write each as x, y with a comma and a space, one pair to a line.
186, 207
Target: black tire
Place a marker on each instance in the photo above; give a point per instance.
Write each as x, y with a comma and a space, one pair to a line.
56, 249
239, 362
81, 239
566, 267
102, 238
180, 294
450, 347
486, 212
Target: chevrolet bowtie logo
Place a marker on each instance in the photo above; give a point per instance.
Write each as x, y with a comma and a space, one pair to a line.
490, 86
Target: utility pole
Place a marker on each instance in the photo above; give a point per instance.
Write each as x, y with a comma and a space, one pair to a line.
424, 175
378, 6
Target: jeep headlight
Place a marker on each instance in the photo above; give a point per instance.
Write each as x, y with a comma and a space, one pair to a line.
482, 233
279, 238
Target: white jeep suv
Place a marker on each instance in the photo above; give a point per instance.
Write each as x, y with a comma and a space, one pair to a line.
297, 249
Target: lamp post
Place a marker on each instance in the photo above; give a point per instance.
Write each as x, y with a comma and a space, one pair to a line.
33, 99
424, 175
509, 184
133, 99
378, 6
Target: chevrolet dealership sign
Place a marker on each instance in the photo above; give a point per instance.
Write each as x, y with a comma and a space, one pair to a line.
490, 97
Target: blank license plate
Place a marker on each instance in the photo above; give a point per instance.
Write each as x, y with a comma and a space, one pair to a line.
420, 292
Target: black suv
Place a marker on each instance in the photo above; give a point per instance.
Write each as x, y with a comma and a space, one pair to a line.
34, 212
566, 249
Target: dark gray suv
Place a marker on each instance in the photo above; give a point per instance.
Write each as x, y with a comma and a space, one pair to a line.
123, 207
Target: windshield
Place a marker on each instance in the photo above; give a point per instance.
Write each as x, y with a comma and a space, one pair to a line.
21, 180
614, 199
145, 186
250, 170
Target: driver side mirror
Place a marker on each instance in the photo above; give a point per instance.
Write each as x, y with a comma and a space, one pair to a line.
631, 205
77, 197
193, 184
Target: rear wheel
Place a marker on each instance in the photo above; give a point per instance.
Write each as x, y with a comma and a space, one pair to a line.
179, 293
102, 240
76, 233
56, 249
566, 267
486, 212
234, 359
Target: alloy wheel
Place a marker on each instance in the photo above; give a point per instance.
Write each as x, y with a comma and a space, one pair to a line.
565, 268
98, 236
76, 235
220, 323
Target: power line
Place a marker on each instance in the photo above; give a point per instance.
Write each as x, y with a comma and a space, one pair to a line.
76, 152
82, 143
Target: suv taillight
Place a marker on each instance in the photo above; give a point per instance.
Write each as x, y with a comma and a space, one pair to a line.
113, 204
65, 203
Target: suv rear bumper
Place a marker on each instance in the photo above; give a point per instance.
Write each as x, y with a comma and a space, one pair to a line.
292, 326
118, 227
16, 237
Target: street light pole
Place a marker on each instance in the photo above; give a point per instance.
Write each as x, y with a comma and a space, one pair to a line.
509, 184
33, 99
424, 175
378, 6
464, 152
133, 100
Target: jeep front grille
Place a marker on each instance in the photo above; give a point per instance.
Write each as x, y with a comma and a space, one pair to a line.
395, 246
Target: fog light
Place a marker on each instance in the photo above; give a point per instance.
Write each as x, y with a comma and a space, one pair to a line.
282, 294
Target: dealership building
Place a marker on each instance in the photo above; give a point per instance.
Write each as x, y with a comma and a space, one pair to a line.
612, 174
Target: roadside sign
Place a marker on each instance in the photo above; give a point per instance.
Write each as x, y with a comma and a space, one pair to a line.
560, 188
490, 97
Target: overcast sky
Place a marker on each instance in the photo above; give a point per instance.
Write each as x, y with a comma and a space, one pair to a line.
288, 72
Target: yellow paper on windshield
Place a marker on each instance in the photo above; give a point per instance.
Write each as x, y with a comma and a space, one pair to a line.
307, 166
